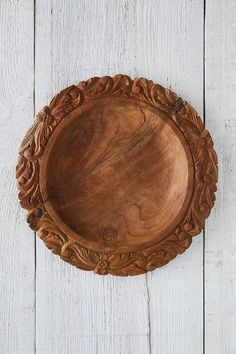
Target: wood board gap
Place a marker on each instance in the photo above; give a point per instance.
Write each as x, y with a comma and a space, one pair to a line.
204, 122
35, 243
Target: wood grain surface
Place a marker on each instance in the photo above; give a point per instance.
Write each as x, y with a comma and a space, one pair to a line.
119, 174
187, 307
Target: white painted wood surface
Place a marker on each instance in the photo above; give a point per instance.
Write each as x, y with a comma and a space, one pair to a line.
187, 307
17, 249
220, 275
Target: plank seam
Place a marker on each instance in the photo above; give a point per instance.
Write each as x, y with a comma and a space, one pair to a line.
35, 250
149, 317
204, 121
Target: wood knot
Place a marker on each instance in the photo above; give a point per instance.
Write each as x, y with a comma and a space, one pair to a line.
109, 234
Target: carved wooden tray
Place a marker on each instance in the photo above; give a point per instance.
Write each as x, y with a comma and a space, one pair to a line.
117, 175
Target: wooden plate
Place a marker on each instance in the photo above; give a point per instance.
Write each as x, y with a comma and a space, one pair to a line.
117, 175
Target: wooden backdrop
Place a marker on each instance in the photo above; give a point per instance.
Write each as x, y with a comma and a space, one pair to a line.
187, 307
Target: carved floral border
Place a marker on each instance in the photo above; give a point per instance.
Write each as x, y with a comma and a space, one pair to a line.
205, 175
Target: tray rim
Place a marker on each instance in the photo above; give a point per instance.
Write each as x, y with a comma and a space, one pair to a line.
205, 176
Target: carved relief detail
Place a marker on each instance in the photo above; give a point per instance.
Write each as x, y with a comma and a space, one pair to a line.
205, 178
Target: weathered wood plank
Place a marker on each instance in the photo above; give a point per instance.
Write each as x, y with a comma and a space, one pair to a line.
220, 293
78, 312
175, 58
17, 263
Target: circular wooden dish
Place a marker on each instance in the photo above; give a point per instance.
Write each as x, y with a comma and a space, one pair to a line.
117, 175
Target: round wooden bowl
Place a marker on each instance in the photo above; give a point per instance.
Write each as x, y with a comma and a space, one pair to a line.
117, 175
